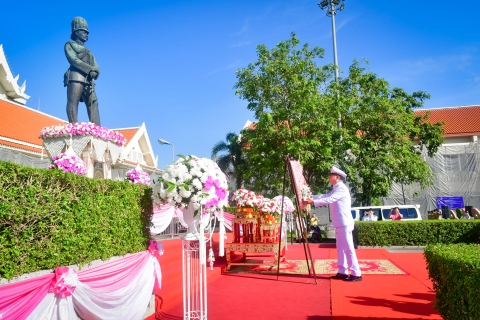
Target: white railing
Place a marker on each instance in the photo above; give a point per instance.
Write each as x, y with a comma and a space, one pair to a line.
174, 230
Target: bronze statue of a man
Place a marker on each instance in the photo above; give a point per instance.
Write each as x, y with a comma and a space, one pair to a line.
79, 78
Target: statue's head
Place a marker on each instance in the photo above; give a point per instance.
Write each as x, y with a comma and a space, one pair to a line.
78, 23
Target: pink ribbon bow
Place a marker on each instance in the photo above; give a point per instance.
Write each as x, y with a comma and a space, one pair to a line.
64, 283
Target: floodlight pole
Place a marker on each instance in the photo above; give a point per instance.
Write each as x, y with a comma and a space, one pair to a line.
161, 141
331, 7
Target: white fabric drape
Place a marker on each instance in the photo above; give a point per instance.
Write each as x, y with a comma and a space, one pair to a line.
162, 217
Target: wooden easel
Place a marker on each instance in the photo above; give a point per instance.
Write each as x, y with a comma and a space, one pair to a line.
297, 181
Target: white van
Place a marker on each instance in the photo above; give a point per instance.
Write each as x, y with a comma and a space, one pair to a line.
409, 212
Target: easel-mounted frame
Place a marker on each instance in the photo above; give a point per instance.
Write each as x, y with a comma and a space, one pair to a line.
297, 179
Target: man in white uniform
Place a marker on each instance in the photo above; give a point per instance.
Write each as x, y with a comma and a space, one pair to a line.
340, 208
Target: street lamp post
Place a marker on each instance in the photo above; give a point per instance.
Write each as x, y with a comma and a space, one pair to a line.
331, 7
161, 141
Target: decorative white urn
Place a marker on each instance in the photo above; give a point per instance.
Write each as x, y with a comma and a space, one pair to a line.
194, 223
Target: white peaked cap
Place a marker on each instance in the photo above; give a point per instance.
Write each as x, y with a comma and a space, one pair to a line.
338, 171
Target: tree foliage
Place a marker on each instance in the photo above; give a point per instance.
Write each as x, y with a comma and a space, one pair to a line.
284, 89
297, 105
382, 137
229, 156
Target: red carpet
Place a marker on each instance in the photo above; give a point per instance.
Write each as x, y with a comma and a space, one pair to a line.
386, 296
260, 296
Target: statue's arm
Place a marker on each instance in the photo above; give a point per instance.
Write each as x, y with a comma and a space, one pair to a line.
97, 67
76, 62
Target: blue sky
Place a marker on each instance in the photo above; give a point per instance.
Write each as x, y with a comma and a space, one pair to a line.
171, 64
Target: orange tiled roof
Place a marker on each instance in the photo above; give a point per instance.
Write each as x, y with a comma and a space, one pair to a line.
23, 124
459, 121
127, 133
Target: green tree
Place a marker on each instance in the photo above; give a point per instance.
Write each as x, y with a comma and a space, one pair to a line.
229, 156
382, 137
297, 105
284, 89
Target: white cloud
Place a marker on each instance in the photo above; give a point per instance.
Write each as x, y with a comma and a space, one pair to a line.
245, 28
439, 64
232, 65
240, 44
339, 24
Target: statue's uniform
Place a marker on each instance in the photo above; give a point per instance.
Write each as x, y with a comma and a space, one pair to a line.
340, 208
81, 87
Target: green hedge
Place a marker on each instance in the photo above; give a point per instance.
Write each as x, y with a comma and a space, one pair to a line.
455, 274
49, 218
417, 233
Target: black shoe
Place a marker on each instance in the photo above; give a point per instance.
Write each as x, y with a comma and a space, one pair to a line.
339, 276
352, 278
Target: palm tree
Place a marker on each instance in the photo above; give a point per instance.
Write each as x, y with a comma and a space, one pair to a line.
228, 155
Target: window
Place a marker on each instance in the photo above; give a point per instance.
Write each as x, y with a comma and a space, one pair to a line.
407, 213
354, 214
376, 212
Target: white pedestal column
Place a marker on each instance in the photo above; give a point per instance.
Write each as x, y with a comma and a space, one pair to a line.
194, 281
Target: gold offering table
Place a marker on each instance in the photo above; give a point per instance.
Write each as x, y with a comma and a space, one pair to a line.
253, 235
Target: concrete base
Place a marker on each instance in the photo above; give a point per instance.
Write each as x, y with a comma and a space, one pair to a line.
150, 308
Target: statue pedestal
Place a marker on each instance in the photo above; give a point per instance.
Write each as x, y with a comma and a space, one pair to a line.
98, 154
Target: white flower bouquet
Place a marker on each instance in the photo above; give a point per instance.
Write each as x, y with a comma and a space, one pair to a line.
68, 163
246, 198
193, 181
269, 206
287, 204
306, 193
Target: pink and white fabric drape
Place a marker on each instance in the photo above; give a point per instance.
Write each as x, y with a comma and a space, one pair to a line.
163, 215
120, 289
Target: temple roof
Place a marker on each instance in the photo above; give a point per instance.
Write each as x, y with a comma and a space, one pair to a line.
21, 126
459, 121
9, 88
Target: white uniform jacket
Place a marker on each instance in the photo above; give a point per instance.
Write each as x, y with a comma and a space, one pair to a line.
340, 205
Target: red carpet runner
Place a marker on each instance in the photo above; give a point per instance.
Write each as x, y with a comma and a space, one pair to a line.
260, 296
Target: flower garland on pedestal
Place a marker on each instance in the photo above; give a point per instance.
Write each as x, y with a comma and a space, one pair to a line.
68, 163
270, 209
247, 199
199, 187
83, 128
193, 181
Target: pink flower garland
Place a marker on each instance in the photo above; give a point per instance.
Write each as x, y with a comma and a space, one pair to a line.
68, 163
81, 129
138, 177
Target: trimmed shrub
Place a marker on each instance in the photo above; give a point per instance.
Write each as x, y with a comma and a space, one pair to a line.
49, 218
455, 273
417, 233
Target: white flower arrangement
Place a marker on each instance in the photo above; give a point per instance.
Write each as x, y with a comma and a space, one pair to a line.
287, 204
247, 198
193, 181
306, 193
269, 206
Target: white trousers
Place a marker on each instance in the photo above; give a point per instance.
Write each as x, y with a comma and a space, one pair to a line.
347, 259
